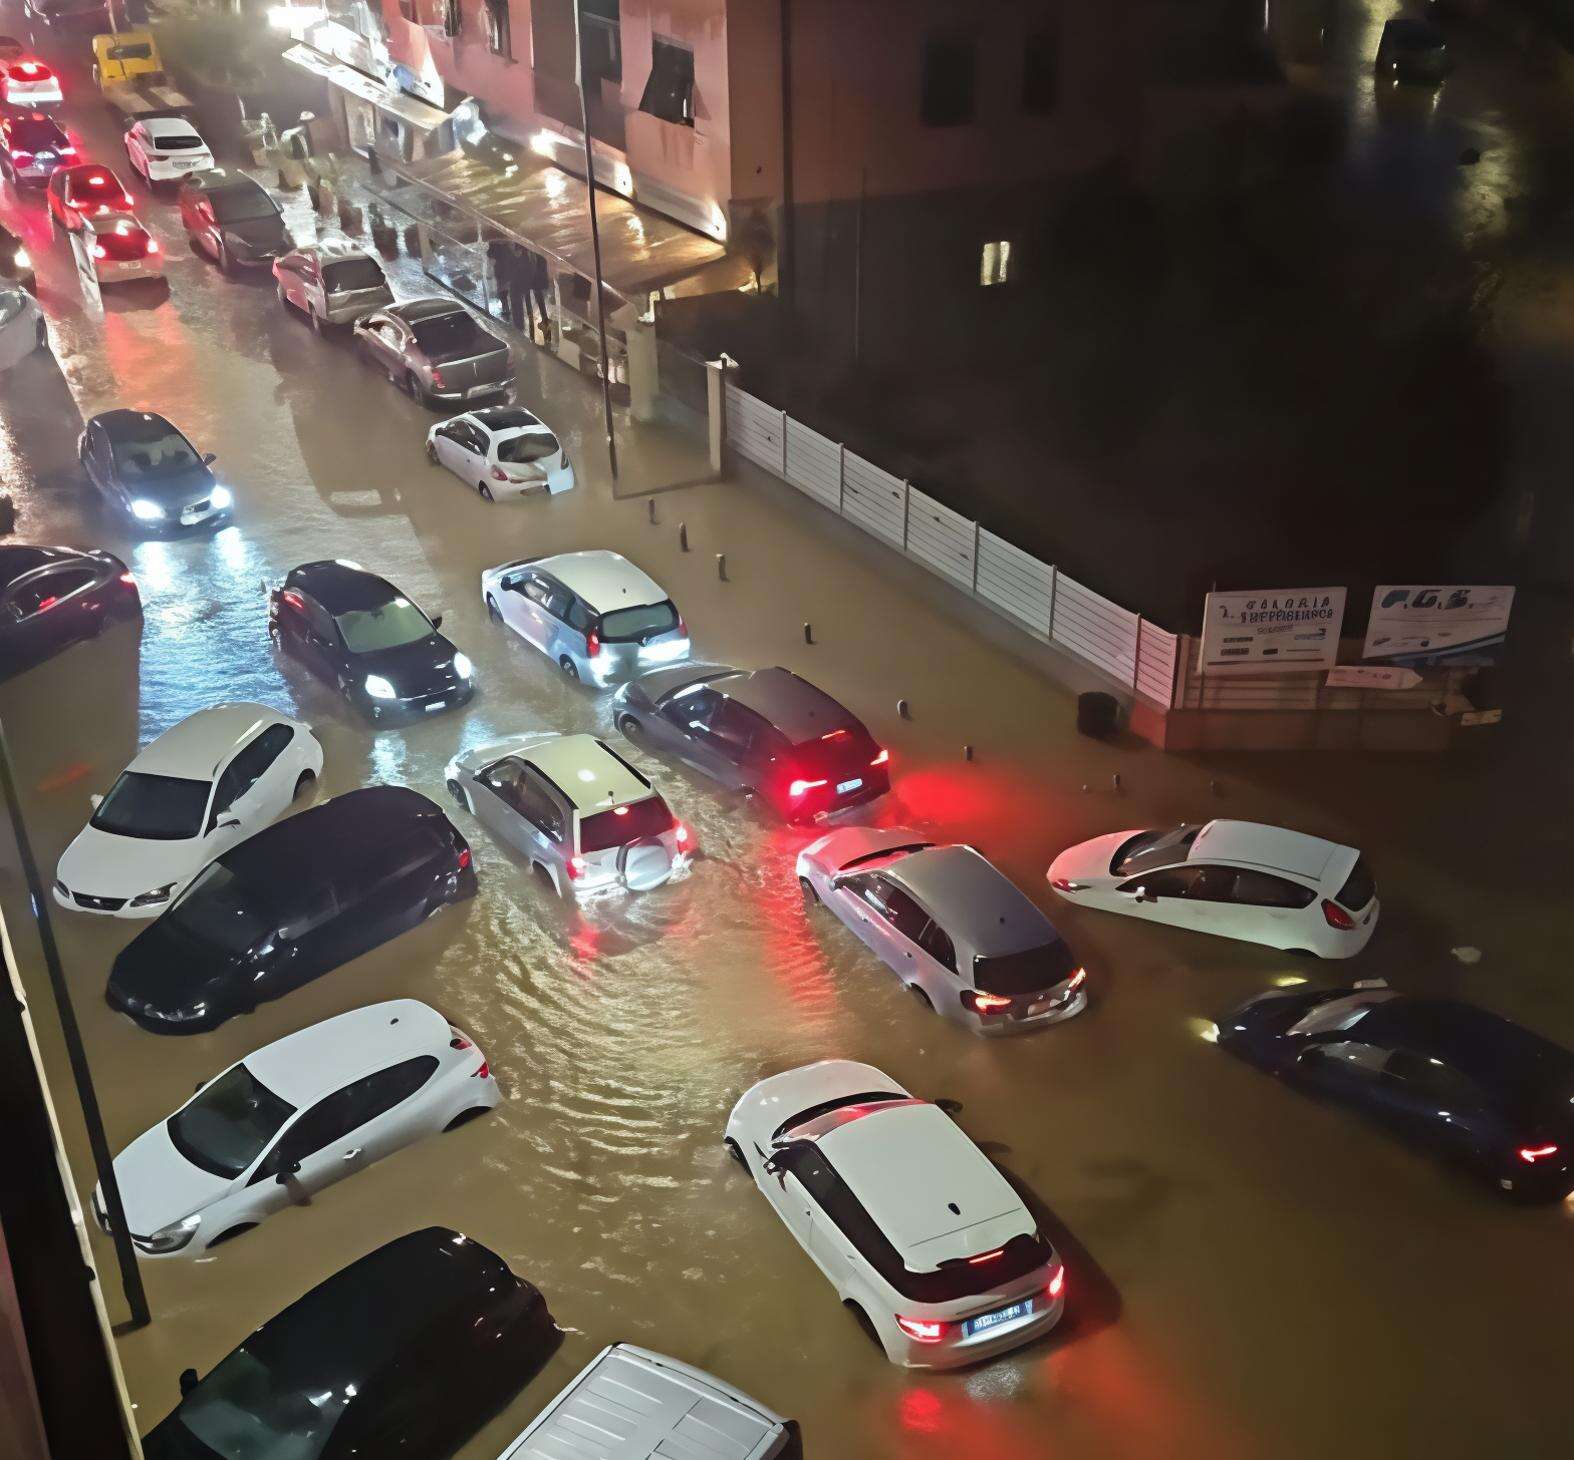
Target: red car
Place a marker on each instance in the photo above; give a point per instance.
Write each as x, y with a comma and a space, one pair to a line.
89, 190
27, 82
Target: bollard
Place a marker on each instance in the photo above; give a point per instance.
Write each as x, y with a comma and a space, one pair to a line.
967, 752
650, 503
1114, 781
1086, 788
1213, 788
683, 537
903, 710
808, 634
721, 566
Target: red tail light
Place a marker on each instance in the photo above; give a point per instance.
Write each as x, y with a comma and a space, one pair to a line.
680, 831
48, 603
22, 157
458, 1041
576, 867
1065, 884
438, 383
922, 1330
482, 1072
1337, 917
884, 758
153, 245
981, 1003
1057, 1284
683, 628
498, 474
1532, 1154
100, 252
802, 788
29, 68
97, 180
985, 1257
464, 858
1079, 978
593, 644
128, 579
68, 152
834, 735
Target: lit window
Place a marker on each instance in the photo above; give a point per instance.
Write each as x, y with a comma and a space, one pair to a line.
995, 266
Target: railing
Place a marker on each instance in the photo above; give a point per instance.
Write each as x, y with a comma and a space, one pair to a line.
1050, 605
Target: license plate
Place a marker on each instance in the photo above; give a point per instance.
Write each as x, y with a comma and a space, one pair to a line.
1001, 1316
436, 705
44, 156
480, 389
843, 787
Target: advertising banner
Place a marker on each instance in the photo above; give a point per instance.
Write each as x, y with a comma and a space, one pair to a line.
1421, 624
1271, 631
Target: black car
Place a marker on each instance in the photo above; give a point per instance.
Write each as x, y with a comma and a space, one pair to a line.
69, 14
359, 632
1456, 1079
53, 597
234, 219
764, 731
406, 1352
1413, 49
289, 904
16, 267
32, 147
147, 470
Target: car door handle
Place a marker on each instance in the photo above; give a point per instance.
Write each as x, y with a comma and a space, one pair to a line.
351, 1154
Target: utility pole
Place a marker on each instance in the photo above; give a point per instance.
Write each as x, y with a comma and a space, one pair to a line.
595, 240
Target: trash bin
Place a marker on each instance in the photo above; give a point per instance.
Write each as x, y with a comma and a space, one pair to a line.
1098, 714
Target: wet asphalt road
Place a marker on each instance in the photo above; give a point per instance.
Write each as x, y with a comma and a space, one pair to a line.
1250, 1275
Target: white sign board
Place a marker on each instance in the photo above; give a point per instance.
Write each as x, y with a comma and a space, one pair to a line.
1419, 623
1372, 676
1271, 632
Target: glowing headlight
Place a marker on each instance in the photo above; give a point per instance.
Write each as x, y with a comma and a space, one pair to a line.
220, 497
462, 666
21, 260
378, 687
146, 511
158, 894
171, 1238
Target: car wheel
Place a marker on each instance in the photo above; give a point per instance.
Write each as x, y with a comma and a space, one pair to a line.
811, 898
864, 1323
485, 491
921, 996
230, 1234
545, 878
458, 793
303, 782
731, 1148
569, 668
225, 267
42, 342
464, 1118
1300, 953
431, 452
493, 612
628, 726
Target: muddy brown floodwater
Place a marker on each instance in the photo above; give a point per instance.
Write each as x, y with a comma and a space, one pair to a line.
1250, 1274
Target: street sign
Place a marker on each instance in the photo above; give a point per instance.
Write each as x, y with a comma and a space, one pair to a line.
1372, 676
1273, 631
1447, 624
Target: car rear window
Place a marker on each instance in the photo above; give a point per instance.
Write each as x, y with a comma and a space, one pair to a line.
1027, 972
522, 450
1359, 889
36, 133
241, 204
445, 335
1149, 849
849, 747
124, 243
624, 824
629, 625
176, 141
343, 275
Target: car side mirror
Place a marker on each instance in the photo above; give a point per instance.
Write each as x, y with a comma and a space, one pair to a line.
437, 620
95, 800
288, 1172
188, 1381
1141, 894
208, 458
224, 823
772, 1167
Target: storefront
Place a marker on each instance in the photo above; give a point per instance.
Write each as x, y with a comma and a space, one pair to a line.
376, 116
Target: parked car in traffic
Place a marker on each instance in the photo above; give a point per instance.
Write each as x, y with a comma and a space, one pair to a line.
16, 264
53, 597
917, 1231
32, 147
406, 1352
83, 16
122, 250
331, 282
639, 1405
88, 190
291, 1119
957, 932
1458, 1081
232, 219
506, 452
25, 81
1236, 879
23, 328
594, 614
290, 904
763, 731
586, 819
1413, 49
436, 350
359, 633
145, 468
205, 784
166, 149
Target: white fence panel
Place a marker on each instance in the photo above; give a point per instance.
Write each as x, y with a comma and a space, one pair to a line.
814, 465
873, 499
1015, 582
1156, 664
1100, 631
754, 429
940, 539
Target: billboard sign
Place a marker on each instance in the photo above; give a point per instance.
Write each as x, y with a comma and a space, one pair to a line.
1423, 624
1271, 632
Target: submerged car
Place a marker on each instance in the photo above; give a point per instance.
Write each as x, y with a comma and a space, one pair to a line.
358, 632
201, 787
53, 597
406, 1352
23, 328
915, 1228
436, 350
331, 282
587, 820
594, 614
1456, 1080
764, 731
1236, 879
232, 219
144, 467
504, 450
290, 904
1413, 49
291, 1119
956, 931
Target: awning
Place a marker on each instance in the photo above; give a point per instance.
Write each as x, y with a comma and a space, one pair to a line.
358, 83
543, 207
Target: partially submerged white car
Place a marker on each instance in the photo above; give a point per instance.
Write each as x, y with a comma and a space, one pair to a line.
917, 1231
201, 787
503, 452
292, 1118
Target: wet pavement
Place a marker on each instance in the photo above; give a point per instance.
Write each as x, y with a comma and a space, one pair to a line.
1249, 1274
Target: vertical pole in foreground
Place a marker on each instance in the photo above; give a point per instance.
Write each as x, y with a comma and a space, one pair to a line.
595, 241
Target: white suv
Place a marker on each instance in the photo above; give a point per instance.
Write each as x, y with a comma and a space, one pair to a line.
915, 1228
292, 1118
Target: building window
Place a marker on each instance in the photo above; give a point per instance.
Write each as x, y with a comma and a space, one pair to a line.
995, 265
498, 40
950, 81
1041, 72
407, 8
669, 94
601, 35
453, 17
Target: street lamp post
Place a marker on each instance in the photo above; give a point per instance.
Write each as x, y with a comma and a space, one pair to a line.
595, 241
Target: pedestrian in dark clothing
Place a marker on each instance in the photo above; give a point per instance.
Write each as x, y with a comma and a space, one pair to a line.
517, 275
498, 250
536, 287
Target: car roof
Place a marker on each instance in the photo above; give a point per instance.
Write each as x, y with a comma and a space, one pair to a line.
315, 843
124, 425
321, 1058
341, 586
330, 250
800, 710
588, 771
1273, 847
605, 580
17, 558
412, 310
196, 747
506, 418
974, 900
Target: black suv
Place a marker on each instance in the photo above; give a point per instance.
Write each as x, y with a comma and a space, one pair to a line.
406, 1352
227, 215
288, 905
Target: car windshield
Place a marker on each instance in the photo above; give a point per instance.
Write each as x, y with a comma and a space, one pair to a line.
628, 625
220, 910
157, 808
243, 1411
240, 205
522, 450
1359, 889
343, 275
161, 453
226, 1127
366, 630
1150, 849
624, 824
825, 1107
1026, 972
453, 334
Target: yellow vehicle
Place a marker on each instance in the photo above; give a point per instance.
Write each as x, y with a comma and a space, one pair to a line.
129, 71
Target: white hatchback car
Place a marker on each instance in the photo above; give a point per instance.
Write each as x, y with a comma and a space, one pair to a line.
916, 1229
196, 791
503, 451
1238, 879
294, 1117
165, 149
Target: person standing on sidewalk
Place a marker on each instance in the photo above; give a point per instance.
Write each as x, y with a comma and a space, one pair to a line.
536, 288
498, 250
518, 275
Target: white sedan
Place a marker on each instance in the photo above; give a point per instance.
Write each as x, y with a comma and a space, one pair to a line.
292, 1118
917, 1231
1237, 879
22, 328
204, 785
165, 149
503, 452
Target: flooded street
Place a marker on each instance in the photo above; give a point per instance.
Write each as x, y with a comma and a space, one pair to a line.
1225, 1238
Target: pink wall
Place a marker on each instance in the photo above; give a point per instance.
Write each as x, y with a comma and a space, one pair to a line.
465, 62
